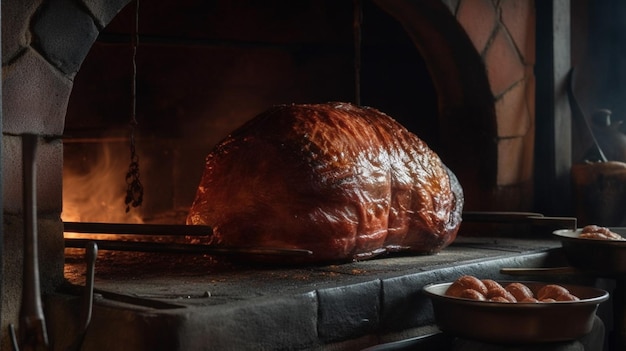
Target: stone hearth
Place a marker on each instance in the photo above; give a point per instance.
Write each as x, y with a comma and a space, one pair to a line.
157, 302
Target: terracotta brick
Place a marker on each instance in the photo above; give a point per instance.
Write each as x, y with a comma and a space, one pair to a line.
529, 141
510, 161
513, 116
34, 96
528, 158
478, 18
530, 90
504, 66
518, 16
515, 160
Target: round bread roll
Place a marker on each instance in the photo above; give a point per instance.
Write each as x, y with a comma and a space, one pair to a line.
466, 282
500, 299
499, 293
491, 284
567, 297
519, 290
472, 294
551, 291
470, 287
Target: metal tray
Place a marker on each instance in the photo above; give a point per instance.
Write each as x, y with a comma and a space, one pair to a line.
605, 258
516, 323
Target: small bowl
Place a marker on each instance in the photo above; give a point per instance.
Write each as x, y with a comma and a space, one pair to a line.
517, 323
605, 258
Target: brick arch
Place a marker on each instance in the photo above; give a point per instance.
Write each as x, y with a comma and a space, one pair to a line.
466, 105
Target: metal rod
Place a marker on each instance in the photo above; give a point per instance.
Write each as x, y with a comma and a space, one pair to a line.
2, 277
536, 271
534, 219
87, 305
138, 229
32, 325
142, 246
86, 308
94, 140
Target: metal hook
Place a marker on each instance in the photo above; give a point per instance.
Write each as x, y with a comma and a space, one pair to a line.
91, 253
14, 343
87, 306
32, 324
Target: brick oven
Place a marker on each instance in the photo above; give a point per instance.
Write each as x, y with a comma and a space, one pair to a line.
460, 74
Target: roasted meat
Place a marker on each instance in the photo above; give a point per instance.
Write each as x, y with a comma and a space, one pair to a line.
345, 182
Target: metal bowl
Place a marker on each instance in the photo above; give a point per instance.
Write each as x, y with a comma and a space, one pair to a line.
516, 323
603, 257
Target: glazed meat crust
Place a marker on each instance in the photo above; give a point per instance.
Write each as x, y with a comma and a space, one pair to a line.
342, 181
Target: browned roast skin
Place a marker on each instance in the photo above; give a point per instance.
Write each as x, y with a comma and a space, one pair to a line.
342, 181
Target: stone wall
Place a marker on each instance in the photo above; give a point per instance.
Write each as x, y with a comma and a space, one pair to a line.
43, 45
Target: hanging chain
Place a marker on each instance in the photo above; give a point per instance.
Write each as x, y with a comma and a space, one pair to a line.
134, 188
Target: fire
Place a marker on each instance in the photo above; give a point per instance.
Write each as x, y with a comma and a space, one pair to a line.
94, 189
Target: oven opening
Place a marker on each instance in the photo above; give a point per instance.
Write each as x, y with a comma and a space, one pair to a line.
197, 77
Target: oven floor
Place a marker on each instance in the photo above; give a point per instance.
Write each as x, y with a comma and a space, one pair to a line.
204, 280
193, 302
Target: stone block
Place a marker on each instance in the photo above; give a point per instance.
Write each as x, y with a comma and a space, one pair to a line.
285, 323
50, 257
49, 173
34, 96
50, 176
349, 311
51, 251
105, 10
404, 305
12, 273
65, 33
261, 324
16, 15
12, 183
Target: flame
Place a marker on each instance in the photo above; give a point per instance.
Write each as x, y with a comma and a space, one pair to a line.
96, 191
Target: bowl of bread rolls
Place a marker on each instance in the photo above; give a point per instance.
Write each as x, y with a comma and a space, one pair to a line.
595, 249
514, 312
